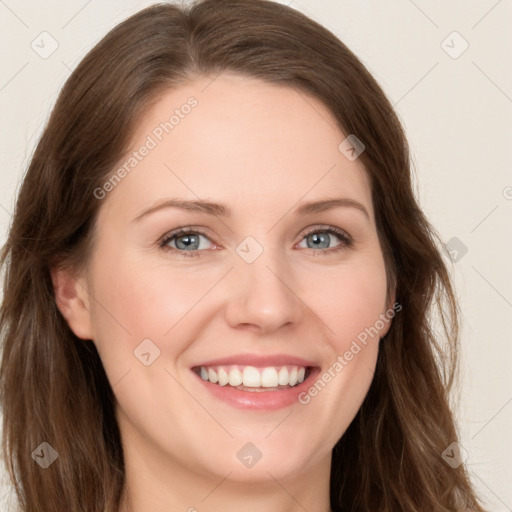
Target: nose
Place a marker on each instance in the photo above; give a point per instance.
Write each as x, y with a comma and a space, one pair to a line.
263, 295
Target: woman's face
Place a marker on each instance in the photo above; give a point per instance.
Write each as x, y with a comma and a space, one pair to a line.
277, 275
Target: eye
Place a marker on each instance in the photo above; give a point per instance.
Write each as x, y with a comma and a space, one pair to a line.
186, 241
320, 237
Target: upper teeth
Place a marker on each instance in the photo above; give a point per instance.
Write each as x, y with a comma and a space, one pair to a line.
253, 377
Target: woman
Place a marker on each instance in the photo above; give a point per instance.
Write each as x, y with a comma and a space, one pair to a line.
218, 283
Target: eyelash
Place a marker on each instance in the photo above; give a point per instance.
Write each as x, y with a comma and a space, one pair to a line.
346, 240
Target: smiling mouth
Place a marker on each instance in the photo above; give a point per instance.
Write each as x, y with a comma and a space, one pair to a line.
254, 379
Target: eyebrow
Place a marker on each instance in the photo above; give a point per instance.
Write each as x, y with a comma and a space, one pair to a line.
221, 210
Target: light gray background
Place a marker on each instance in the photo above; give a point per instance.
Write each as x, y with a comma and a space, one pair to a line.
457, 112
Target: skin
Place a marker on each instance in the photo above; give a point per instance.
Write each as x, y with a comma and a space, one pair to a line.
263, 150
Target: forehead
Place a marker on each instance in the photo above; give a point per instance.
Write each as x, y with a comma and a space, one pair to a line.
241, 141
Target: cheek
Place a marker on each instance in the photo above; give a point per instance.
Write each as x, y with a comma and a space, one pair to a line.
350, 301
139, 301
352, 306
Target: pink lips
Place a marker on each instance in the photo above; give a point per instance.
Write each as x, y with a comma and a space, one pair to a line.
258, 400
258, 361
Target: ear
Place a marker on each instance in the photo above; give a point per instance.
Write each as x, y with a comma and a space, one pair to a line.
392, 308
72, 299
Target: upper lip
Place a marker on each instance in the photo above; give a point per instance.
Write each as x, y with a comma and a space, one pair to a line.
258, 360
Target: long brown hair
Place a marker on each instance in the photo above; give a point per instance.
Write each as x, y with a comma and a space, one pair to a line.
53, 386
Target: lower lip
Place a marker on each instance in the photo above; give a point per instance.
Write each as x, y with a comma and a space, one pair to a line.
259, 400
